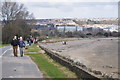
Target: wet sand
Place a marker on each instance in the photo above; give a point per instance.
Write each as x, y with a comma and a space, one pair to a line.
98, 53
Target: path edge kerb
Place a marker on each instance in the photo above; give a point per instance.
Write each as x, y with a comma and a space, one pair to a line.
35, 65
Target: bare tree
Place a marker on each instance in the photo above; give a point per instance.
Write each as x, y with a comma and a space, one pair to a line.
13, 11
15, 18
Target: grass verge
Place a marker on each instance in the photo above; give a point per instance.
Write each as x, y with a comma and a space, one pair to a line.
33, 48
3, 45
48, 66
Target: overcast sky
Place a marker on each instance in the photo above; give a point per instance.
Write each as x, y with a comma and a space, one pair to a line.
47, 9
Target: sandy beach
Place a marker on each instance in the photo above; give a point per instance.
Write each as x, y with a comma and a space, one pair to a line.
96, 53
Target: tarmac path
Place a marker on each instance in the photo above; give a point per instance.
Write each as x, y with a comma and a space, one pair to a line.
17, 67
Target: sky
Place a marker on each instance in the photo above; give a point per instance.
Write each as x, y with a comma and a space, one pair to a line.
49, 9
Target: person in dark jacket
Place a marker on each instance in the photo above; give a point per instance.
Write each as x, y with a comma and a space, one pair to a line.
21, 46
28, 41
15, 43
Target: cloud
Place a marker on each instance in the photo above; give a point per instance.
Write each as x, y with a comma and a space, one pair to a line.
68, 4
63, 6
73, 9
66, 0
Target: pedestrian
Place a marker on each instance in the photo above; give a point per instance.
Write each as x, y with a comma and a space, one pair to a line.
28, 41
31, 40
64, 42
21, 46
15, 43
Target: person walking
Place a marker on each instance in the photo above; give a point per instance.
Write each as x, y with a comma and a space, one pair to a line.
28, 41
21, 46
15, 43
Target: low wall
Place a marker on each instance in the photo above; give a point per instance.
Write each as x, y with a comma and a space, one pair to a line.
79, 71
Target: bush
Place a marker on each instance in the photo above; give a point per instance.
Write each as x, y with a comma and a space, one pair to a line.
43, 38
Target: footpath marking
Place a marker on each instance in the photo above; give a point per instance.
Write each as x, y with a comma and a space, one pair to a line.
5, 52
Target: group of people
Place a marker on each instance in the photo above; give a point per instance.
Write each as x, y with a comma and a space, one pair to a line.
64, 42
30, 41
15, 43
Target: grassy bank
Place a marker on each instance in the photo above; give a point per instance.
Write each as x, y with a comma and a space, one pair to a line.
50, 68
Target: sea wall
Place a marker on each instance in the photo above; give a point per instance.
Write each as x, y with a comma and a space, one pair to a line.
80, 71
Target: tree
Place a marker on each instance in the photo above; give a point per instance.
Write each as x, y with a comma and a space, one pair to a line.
69, 34
106, 34
115, 34
100, 34
35, 34
15, 19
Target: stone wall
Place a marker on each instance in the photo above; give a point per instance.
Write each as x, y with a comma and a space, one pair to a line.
85, 75
80, 69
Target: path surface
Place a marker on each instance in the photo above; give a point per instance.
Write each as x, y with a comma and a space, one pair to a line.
99, 54
18, 67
